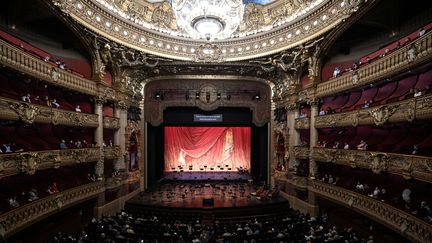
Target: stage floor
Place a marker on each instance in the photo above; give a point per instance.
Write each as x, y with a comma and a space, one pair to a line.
197, 176
202, 195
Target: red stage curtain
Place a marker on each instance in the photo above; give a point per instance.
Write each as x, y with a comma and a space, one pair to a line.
211, 146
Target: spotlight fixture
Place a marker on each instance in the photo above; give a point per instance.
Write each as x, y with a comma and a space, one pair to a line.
219, 96
159, 96
197, 95
256, 97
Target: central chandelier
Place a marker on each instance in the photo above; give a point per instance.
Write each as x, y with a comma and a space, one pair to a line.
208, 19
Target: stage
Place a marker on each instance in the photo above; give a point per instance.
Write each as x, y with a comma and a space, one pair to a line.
207, 175
204, 198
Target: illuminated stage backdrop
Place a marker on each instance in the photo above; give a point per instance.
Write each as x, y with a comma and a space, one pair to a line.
207, 146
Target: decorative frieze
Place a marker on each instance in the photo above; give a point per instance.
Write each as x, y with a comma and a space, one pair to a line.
302, 123
404, 111
299, 182
21, 217
408, 166
17, 59
30, 162
301, 152
388, 66
111, 122
112, 152
413, 228
17, 110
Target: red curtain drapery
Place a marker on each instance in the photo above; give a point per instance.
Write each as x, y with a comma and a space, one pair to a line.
207, 146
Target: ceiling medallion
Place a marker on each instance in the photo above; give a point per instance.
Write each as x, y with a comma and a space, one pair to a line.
208, 19
208, 53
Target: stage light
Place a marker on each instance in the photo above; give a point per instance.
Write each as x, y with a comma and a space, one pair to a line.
197, 95
219, 96
157, 96
256, 97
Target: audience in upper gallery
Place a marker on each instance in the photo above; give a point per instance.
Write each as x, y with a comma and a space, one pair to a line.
322, 112
302, 115
346, 146
26, 98
52, 188
55, 104
367, 103
416, 149
417, 93
78, 108
337, 72
362, 145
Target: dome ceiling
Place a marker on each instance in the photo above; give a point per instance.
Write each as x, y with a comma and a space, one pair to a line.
209, 31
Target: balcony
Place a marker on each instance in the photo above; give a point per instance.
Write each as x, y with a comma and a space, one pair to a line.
111, 122
301, 152
302, 123
385, 67
408, 166
414, 229
404, 111
26, 63
19, 218
17, 110
112, 152
30, 162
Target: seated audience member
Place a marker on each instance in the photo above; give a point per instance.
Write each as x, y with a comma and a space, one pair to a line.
46, 59
416, 149
7, 147
91, 177
425, 211
336, 145
17, 148
33, 195
367, 103
78, 144
55, 104
324, 144
77, 108
362, 145
52, 188
411, 53
330, 110
359, 187
26, 98
63, 145
12, 201
336, 72
406, 197
346, 146
84, 144
322, 112
417, 93
302, 115
37, 100
375, 193
110, 143
421, 32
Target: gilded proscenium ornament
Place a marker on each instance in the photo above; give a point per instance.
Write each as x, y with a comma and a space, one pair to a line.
30, 162
301, 152
418, 108
408, 166
412, 227
26, 112
302, 123
112, 152
273, 38
16, 220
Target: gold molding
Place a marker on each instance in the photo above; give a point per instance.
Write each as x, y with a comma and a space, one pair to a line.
324, 18
27, 112
301, 152
30, 162
15, 220
302, 123
414, 229
111, 122
407, 166
112, 152
26, 63
408, 110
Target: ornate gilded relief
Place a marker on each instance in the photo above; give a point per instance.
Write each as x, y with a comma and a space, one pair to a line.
30, 162
413, 228
403, 111
26, 112
408, 166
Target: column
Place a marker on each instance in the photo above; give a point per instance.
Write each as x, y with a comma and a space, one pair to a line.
98, 137
119, 135
294, 135
313, 169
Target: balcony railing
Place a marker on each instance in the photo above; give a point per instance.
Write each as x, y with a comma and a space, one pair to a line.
404, 111
302, 123
18, 59
408, 166
299, 182
27, 112
385, 67
301, 152
111, 122
112, 152
30, 162
21, 217
411, 227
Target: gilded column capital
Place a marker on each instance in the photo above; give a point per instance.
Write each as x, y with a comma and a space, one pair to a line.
99, 100
314, 102
121, 105
291, 107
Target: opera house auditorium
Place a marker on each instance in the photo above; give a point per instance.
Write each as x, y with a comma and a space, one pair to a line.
226, 121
